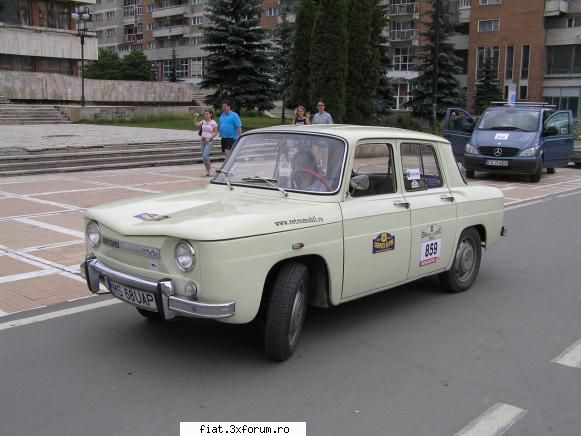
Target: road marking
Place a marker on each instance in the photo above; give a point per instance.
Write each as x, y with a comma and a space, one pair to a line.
529, 203
569, 194
494, 422
51, 227
571, 356
59, 313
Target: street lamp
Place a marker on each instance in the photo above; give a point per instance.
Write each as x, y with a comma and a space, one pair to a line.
82, 17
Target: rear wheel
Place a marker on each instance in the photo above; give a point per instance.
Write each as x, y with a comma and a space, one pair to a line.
148, 314
551, 170
536, 176
466, 263
286, 311
469, 174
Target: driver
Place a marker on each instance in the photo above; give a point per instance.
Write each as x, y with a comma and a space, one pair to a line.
306, 176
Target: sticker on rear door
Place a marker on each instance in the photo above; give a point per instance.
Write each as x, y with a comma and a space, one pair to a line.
431, 244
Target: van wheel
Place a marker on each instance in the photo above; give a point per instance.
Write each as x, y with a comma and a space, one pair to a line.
551, 170
466, 263
536, 176
469, 174
285, 313
149, 314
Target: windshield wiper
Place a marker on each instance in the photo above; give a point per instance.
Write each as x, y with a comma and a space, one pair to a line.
506, 128
271, 182
227, 175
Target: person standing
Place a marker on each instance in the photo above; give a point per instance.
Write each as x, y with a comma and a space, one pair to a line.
208, 130
230, 127
301, 116
322, 117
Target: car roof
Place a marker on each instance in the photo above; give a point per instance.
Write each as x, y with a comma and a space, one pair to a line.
352, 132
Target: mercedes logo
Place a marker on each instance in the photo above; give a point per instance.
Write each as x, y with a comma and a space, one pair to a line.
498, 152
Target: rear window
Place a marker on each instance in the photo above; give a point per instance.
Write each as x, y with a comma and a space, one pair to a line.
511, 119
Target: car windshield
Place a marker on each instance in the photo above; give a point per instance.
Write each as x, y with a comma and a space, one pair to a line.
299, 162
519, 120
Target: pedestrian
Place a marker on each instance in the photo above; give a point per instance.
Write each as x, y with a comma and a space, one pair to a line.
301, 116
230, 127
322, 117
208, 131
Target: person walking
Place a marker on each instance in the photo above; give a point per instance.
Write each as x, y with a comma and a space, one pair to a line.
208, 131
230, 127
322, 117
301, 116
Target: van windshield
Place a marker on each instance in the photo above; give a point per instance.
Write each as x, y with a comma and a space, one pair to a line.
524, 121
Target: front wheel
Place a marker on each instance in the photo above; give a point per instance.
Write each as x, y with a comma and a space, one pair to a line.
286, 311
536, 176
466, 263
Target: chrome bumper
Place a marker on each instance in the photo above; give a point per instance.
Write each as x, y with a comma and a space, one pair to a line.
96, 272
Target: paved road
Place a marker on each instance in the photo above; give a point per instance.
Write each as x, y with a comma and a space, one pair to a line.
413, 361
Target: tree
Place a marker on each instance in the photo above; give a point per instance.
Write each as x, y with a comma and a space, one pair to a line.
487, 89
384, 98
283, 40
136, 66
107, 67
329, 56
173, 72
239, 64
301, 55
437, 82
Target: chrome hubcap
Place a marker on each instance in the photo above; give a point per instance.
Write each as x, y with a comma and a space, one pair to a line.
465, 259
297, 314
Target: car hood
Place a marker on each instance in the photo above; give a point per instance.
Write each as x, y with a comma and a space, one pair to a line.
503, 138
213, 214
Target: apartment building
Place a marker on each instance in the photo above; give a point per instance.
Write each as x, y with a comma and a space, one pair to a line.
40, 36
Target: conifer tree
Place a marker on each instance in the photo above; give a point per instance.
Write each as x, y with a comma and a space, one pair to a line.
384, 98
107, 67
301, 55
438, 66
329, 56
283, 40
487, 89
239, 64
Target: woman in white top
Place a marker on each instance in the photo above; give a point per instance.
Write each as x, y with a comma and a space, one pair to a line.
209, 130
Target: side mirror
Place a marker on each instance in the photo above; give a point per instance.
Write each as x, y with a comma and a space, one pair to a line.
551, 131
360, 182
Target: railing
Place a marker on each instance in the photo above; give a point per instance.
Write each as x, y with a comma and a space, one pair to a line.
404, 9
402, 35
463, 4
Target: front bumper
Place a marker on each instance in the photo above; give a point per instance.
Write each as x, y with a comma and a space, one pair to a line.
170, 305
516, 165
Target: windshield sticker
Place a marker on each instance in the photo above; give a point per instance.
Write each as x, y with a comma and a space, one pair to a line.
309, 220
501, 136
384, 242
413, 174
431, 244
150, 217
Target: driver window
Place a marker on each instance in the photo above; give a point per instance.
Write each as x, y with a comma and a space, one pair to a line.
559, 121
376, 162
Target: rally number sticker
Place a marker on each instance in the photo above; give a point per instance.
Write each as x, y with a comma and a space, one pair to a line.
430, 252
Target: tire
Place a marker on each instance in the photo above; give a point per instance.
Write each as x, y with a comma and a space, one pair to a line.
536, 176
155, 316
466, 263
469, 174
286, 311
551, 170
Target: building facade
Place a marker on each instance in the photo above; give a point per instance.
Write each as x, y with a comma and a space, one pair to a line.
41, 36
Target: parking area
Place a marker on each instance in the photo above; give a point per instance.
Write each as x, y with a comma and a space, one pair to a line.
41, 226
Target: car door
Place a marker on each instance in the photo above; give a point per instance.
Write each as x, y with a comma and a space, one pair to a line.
432, 207
458, 127
558, 139
376, 224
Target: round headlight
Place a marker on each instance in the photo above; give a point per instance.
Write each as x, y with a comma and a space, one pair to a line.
93, 234
185, 256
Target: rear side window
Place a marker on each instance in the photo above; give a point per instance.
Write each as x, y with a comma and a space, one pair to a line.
420, 167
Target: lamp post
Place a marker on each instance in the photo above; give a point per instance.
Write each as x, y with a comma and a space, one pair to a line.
82, 17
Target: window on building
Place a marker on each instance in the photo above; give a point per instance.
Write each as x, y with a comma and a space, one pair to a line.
403, 59
197, 40
509, 62
151, 45
197, 20
197, 67
489, 2
420, 167
272, 12
54, 65
488, 25
525, 61
485, 53
110, 32
574, 22
564, 59
99, 34
98, 17
463, 55
150, 8
110, 15
24, 12
197, 2
523, 92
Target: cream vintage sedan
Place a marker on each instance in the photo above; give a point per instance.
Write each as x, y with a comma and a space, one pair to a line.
298, 215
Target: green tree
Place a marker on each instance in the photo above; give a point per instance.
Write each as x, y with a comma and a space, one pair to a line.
283, 40
384, 98
239, 64
107, 67
329, 56
301, 55
487, 89
173, 72
136, 66
437, 82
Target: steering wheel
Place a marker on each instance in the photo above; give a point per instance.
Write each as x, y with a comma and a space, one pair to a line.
315, 174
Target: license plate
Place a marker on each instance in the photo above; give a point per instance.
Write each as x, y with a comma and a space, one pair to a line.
496, 163
133, 296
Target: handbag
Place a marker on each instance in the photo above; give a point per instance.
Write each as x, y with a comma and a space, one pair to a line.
201, 127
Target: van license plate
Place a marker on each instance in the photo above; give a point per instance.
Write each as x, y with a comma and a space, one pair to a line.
496, 163
133, 296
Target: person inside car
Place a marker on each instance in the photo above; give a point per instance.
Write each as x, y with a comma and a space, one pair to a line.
306, 175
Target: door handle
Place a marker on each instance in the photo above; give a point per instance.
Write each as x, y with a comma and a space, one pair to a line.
401, 203
449, 198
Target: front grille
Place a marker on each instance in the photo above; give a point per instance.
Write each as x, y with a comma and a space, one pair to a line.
506, 151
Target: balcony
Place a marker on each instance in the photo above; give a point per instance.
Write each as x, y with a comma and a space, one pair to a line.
464, 11
164, 32
556, 7
405, 9
171, 11
563, 36
403, 35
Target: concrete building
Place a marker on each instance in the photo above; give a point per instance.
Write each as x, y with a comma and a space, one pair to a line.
40, 36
